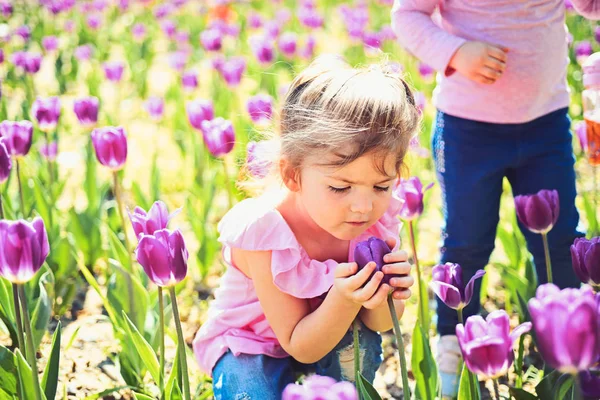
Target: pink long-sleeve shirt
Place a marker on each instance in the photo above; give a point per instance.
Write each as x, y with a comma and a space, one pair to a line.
534, 82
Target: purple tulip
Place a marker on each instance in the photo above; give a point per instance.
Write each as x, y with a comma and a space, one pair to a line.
94, 21
46, 112
487, 345
318, 387
355, 20
372, 39
110, 144
5, 161
387, 33
178, 60
287, 43
373, 249
1, 56
211, 39
310, 18
257, 160
168, 27
50, 43
69, 25
255, 20
411, 191
113, 70
157, 218
24, 32
189, 80
139, 32
218, 135
86, 110
272, 29
590, 384
260, 108
585, 255
28, 61
83, 52
198, 111
420, 101
538, 212
283, 15
308, 51
581, 132
567, 326
583, 48
155, 107
182, 38
262, 48
426, 71
163, 256
49, 152
232, 70
23, 249
162, 10
18, 136
447, 283
6, 9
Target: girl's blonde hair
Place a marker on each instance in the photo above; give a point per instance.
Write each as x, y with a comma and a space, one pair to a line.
331, 107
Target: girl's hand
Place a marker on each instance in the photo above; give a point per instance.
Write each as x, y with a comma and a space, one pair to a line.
397, 264
358, 288
481, 62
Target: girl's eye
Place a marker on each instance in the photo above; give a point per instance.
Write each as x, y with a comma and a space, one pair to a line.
382, 189
339, 190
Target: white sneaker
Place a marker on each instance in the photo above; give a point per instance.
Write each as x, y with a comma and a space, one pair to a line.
448, 358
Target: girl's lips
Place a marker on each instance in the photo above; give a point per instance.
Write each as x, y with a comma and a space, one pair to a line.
357, 223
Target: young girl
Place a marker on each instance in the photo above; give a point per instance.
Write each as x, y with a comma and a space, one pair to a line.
291, 289
502, 100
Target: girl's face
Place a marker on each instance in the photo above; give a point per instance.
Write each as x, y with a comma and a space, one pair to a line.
346, 201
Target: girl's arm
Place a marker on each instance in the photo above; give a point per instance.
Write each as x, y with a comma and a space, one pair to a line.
306, 336
415, 30
379, 319
587, 8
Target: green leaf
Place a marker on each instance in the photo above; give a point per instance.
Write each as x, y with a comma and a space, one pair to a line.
118, 250
366, 390
41, 202
8, 372
423, 366
26, 378
118, 296
172, 386
40, 297
562, 386
144, 349
7, 308
107, 392
544, 389
464, 388
139, 396
50, 378
520, 394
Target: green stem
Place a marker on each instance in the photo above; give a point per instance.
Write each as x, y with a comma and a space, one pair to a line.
19, 320
1, 207
30, 348
51, 179
161, 377
400, 344
180, 345
519, 363
460, 316
228, 184
419, 281
20, 187
496, 389
356, 345
577, 388
129, 273
547, 256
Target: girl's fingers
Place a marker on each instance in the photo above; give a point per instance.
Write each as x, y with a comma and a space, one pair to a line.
378, 298
402, 281
397, 256
363, 294
359, 279
401, 294
400, 268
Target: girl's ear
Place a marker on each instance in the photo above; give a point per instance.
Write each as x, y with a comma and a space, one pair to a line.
289, 175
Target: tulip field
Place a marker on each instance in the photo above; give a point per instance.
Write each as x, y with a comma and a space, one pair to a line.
124, 127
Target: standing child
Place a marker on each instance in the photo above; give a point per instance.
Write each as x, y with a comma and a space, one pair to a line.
502, 101
291, 289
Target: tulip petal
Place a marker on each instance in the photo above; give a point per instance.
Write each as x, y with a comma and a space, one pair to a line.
520, 330
152, 254
449, 294
582, 330
362, 254
578, 263
592, 262
498, 324
475, 327
378, 249
469, 287
178, 255
539, 214
489, 357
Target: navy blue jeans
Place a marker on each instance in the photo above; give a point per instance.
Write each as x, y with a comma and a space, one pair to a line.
260, 377
471, 160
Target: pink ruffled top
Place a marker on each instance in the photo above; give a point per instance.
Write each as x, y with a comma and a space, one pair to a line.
236, 320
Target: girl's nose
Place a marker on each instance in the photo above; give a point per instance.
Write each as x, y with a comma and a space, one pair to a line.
361, 205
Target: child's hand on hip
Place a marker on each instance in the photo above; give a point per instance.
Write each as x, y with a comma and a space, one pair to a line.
359, 288
479, 61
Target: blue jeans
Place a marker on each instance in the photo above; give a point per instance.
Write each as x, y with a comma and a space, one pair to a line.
260, 377
471, 160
